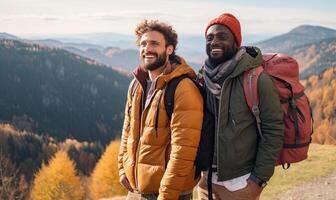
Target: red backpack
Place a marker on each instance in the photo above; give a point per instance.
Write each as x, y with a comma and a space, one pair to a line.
298, 119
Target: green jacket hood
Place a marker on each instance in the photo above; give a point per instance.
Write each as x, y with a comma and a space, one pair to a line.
251, 59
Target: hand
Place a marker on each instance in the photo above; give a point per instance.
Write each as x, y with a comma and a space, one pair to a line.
254, 186
125, 183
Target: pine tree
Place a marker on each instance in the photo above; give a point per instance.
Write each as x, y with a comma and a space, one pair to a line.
57, 180
105, 177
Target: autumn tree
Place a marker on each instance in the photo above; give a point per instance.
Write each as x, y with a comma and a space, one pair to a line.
57, 180
321, 92
105, 177
12, 185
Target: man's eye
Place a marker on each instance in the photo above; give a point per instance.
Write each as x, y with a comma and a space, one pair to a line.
209, 38
221, 37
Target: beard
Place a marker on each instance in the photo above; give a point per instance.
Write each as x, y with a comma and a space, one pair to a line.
159, 61
227, 55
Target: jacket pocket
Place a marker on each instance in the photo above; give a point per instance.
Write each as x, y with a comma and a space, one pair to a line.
149, 177
129, 170
240, 115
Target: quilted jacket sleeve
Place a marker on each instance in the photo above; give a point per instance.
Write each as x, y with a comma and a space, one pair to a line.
186, 124
125, 130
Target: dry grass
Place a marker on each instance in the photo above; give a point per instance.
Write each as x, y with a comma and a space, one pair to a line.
320, 163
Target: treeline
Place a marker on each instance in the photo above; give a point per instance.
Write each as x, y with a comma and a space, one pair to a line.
25, 156
321, 90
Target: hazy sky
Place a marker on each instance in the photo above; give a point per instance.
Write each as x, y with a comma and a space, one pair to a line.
50, 17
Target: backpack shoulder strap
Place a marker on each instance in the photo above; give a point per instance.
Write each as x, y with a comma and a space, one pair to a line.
250, 85
170, 94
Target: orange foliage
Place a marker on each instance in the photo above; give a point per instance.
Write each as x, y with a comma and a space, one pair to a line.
105, 177
321, 91
58, 180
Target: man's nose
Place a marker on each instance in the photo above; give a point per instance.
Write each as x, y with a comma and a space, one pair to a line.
214, 42
148, 48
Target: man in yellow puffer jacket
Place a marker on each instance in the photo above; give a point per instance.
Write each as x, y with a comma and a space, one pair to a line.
156, 157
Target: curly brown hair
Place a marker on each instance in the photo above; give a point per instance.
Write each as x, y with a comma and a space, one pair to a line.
165, 29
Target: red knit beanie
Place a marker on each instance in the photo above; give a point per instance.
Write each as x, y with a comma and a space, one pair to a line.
229, 21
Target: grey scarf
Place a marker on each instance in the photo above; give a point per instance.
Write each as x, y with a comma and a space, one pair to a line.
215, 75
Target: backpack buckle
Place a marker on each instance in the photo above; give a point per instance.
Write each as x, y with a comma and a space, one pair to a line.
255, 110
292, 103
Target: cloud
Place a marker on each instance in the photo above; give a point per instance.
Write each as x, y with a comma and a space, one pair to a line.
109, 16
124, 15
186, 18
51, 19
31, 17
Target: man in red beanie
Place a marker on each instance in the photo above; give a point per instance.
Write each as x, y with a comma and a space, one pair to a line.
243, 161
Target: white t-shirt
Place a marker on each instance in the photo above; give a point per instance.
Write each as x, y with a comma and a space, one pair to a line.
232, 184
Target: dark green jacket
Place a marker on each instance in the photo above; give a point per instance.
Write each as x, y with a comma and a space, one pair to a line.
239, 150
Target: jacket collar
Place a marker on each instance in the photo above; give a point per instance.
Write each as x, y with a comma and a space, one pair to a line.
174, 68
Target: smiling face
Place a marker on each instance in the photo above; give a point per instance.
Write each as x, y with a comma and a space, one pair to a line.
154, 52
220, 44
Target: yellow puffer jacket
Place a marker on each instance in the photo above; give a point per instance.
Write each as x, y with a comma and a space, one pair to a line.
157, 155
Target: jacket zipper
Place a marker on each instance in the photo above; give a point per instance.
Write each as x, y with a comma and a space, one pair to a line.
137, 149
232, 118
217, 131
157, 115
139, 134
218, 119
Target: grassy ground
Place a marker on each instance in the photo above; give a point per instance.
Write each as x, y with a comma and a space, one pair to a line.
321, 162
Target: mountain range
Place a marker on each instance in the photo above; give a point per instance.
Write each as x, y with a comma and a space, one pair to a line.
304, 43
52, 91
316, 57
299, 36
68, 89
312, 46
8, 36
99, 46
